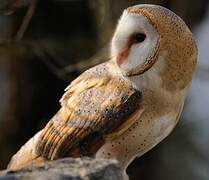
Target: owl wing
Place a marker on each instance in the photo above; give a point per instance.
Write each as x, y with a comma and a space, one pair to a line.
94, 106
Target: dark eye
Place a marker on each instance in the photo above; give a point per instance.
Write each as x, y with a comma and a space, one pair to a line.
140, 37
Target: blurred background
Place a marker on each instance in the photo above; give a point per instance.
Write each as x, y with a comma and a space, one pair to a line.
46, 44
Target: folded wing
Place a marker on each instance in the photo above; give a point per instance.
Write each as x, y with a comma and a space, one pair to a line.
96, 104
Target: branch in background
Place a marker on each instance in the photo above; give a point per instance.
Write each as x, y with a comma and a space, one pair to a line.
51, 60
26, 20
46, 54
8, 7
101, 56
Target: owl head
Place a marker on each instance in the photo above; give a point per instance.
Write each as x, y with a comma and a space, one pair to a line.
149, 35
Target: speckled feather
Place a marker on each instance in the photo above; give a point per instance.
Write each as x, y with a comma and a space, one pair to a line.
94, 105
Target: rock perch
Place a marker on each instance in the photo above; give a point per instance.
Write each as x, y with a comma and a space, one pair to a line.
72, 169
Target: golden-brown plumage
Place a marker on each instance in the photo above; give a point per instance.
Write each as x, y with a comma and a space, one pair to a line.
123, 108
94, 105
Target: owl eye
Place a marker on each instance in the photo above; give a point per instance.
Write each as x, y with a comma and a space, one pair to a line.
140, 37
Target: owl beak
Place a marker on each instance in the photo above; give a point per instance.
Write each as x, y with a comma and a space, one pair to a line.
140, 69
121, 57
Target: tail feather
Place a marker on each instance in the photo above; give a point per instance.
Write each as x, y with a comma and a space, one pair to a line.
26, 155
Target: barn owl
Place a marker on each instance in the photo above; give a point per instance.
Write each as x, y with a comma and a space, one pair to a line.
124, 107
